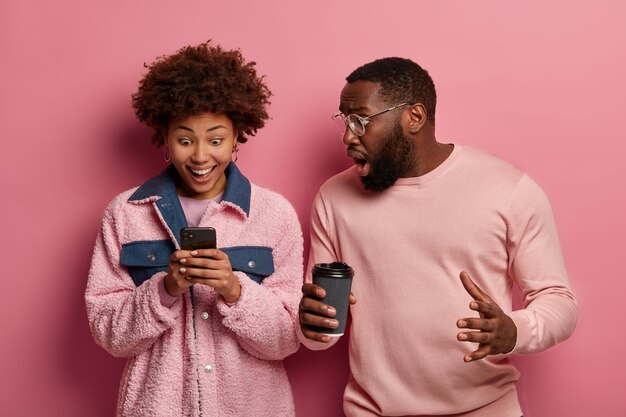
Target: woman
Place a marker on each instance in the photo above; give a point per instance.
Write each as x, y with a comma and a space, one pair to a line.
204, 331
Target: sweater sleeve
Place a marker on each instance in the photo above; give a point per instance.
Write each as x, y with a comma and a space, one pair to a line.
536, 264
322, 250
265, 316
124, 319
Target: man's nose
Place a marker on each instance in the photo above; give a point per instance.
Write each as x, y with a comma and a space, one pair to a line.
349, 138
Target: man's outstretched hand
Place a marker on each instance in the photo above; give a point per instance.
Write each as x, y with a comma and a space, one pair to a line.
494, 331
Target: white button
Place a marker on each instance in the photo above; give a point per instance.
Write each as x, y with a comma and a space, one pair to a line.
208, 368
204, 315
251, 264
151, 258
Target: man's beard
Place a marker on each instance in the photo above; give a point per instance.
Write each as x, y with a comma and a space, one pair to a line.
394, 157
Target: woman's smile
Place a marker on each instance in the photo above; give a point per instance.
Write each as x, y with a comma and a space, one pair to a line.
201, 174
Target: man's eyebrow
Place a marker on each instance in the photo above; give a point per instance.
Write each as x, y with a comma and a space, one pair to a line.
355, 109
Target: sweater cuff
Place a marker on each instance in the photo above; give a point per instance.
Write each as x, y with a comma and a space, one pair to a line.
312, 344
524, 332
166, 299
164, 315
227, 309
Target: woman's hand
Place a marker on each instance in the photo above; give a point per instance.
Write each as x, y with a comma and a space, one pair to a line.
176, 283
211, 267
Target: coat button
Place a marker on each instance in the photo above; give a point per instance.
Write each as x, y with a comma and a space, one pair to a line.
151, 258
208, 369
204, 315
252, 264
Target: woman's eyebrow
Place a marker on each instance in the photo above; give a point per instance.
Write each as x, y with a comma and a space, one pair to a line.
183, 127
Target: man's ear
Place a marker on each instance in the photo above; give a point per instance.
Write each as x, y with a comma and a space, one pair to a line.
418, 118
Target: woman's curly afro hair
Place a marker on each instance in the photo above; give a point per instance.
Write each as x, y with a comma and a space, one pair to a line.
202, 79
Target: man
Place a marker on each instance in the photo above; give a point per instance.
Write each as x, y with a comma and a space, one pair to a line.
430, 230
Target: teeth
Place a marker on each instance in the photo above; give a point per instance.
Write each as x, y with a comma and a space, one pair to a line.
201, 171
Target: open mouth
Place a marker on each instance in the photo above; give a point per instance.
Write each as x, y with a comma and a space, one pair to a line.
360, 162
201, 174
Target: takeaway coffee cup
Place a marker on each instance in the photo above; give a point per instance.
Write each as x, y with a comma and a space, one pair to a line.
336, 279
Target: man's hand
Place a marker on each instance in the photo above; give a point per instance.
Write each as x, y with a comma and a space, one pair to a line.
313, 312
496, 331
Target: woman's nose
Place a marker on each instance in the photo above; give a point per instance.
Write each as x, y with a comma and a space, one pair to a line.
201, 153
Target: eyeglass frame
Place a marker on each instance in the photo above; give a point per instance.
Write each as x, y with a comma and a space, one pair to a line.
363, 120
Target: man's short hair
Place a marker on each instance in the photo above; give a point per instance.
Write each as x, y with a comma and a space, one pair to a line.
401, 80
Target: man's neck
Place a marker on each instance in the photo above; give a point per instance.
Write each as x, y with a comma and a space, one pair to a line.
431, 154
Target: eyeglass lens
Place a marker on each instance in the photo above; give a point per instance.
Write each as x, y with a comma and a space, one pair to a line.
355, 124
339, 123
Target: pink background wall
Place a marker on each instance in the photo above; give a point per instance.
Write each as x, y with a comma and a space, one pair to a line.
540, 84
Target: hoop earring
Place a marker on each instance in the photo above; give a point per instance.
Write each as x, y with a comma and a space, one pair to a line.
168, 158
235, 153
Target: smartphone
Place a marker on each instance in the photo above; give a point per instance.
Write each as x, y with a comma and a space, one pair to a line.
192, 238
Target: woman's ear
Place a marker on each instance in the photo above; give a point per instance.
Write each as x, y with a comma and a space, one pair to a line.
167, 155
235, 152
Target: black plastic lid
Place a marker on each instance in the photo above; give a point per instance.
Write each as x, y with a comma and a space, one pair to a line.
334, 269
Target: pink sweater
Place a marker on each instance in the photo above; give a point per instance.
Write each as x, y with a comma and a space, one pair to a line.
407, 246
200, 356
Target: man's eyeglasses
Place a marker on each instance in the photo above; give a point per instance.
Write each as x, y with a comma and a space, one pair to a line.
357, 123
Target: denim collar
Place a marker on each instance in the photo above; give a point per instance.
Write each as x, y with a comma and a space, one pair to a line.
237, 190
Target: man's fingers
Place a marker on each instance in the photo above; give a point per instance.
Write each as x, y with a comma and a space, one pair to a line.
352, 299
478, 354
476, 324
475, 337
471, 288
313, 290
318, 337
318, 321
484, 308
315, 306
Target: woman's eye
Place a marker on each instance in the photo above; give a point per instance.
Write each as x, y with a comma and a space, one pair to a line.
184, 141
216, 141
